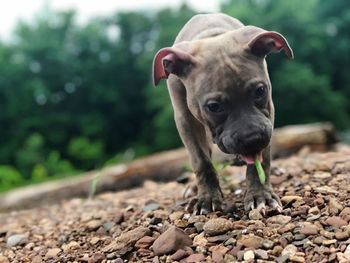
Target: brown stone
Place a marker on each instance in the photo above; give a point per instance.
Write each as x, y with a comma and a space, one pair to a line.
176, 215
255, 215
36, 259
289, 198
342, 235
144, 242
179, 254
334, 206
251, 241
345, 214
217, 257
194, 258
170, 241
127, 239
97, 257
93, 225
221, 248
217, 226
200, 240
297, 259
286, 228
52, 253
336, 221
4, 259
219, 238
279, 219
181, 223
309, 230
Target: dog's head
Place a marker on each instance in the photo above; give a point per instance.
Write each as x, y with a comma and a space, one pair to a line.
227, 85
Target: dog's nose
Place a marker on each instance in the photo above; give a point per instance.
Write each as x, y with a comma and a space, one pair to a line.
252, 141
245, 142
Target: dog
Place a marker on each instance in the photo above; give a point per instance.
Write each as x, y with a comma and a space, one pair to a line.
221, 93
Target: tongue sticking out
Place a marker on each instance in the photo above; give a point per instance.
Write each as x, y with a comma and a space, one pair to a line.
249, 159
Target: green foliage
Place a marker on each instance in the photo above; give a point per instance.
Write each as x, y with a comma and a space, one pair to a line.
55, 165
79, 97
9, 177
328, 104
39, 173
84, 150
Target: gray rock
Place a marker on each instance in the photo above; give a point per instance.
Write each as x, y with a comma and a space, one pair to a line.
289, 250
15, 240
260, 253
267, 244
151, 207
199, 226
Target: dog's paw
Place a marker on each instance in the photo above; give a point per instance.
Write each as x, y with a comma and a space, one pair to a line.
206, 202
261, 197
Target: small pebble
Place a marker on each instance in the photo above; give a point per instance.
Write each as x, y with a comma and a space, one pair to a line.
199, 226
248, 255
329, 242
93, 225
260, 253
289, 198
255, 215
52, 253
289, 250
279, 219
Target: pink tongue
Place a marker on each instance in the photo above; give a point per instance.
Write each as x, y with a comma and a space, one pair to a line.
249, 159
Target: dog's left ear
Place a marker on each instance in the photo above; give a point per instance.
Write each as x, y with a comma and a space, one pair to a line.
266, 42
171, 60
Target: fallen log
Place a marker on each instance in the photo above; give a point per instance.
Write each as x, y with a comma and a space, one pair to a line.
165, 166
290, 139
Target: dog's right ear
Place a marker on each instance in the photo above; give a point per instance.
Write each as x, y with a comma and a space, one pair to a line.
171, 61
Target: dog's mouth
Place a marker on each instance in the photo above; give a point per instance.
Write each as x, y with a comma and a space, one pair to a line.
250, 159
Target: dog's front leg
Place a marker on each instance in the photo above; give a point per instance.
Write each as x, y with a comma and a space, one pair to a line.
193, 135
257, 196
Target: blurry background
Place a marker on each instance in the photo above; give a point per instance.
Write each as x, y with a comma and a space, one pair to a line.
75, 86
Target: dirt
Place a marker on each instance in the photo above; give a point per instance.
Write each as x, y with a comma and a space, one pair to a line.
149, 224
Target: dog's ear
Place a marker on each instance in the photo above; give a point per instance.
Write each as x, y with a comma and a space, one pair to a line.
171, 60
266, 42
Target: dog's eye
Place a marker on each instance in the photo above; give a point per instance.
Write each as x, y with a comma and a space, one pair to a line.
214, 106
260, 91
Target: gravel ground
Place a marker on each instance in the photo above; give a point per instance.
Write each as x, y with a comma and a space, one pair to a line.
149, 224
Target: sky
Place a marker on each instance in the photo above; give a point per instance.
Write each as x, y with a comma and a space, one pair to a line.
12, 11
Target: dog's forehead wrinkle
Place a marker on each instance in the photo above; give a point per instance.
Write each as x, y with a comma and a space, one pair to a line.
229, 77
